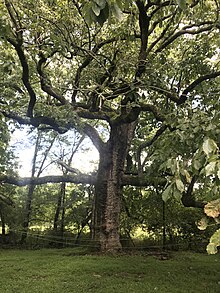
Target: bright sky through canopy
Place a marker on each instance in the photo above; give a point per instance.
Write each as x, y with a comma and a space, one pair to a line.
84, 160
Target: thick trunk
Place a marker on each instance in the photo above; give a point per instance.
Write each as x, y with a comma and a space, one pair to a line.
108, 188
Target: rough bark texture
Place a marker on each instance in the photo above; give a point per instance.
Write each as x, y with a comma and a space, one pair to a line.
108, 187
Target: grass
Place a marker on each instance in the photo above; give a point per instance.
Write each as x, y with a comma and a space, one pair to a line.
64, 270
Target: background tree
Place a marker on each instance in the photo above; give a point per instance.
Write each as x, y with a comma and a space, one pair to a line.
36, 170
7, 166
65, 160
141, 86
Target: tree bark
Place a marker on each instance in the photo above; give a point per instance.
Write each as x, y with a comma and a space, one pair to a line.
59, 217
2, 218
164, 225
57, 213
28, 204
108, 187
27, 213
62, 222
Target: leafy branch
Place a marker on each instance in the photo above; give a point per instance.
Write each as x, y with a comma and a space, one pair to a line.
194, 84
190, 30
91, 55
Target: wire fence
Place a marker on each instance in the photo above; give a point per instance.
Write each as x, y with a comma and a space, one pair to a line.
37, 239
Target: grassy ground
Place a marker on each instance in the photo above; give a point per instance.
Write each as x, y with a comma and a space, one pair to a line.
51, 271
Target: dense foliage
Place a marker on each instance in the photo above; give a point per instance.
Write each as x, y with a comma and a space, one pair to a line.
139, 78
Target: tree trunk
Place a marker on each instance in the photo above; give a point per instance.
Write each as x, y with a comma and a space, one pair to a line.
60, 209
2, 218
108, 188
59, 217
57, 213
28, 204
62, 222
27, 213
164, 224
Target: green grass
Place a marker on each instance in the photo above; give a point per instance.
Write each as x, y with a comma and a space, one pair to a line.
51, 271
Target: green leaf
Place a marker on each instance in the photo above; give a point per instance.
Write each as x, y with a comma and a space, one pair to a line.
203, 223
218, 174
96, 9
213, 157
212, 209
180, 185
218, 168
210, 168
103, 15
100, 3
177, 194
187, 175
88, 13
172, 165
116, 11
181, 4
167, 193
197, 164
214, 243
120, 3
209, 146
211, 248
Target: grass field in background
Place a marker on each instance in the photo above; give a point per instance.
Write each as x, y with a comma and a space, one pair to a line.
65, 270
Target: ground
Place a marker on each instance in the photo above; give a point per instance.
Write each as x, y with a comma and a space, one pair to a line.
68, 270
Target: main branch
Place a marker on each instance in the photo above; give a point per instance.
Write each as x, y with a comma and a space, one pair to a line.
77, 179
144, 22
25, 75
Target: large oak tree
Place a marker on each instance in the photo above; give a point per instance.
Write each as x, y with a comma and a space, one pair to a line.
139, 78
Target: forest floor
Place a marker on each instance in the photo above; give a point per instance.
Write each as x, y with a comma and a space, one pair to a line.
66, 270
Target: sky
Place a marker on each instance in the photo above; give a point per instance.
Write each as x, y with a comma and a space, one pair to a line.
85, 161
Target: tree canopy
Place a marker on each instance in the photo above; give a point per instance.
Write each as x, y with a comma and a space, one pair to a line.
139, 78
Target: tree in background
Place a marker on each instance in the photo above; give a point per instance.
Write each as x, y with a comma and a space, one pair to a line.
36, 170
145, 216
139, 78
7, 166
65, 160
